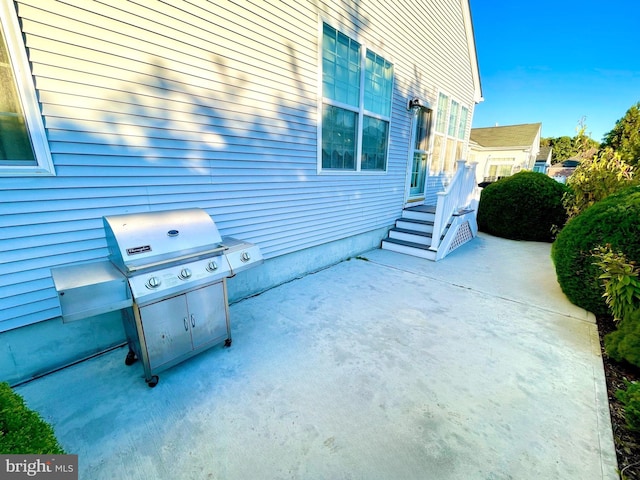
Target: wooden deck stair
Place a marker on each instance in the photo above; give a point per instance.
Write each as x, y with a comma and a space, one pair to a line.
413, 232
453, 219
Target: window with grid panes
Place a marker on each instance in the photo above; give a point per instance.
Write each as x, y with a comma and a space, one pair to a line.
357, 88
449, 134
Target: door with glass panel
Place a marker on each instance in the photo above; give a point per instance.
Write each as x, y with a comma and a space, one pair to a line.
421, 152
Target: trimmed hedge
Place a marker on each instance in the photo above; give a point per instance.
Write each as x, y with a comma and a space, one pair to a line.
631, 400
623, 344
23, 431
615, 221
524, 206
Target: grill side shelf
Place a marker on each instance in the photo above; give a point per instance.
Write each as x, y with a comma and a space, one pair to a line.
90, 289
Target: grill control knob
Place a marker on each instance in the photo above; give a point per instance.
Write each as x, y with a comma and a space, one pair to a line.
153, 282
245, 257
185, 273
212, 266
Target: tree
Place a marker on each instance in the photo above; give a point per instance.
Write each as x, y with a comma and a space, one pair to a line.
595, 179
562, 149
580, 146
625, 136
583, 145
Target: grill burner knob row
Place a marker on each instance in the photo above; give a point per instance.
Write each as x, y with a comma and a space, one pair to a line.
153, 282
185, 273
212, 266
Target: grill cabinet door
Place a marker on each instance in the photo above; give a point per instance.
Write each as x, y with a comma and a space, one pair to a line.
207, 315
166, 330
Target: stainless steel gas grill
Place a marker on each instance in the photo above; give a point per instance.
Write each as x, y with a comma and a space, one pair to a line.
165, 253
175, 264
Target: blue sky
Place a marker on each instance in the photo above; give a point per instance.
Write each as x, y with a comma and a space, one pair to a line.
557, 61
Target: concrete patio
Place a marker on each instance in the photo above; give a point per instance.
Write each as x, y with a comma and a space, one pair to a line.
381, 367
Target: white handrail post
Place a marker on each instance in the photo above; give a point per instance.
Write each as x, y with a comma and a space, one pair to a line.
438, 220
460, 183
448, 203
473, 195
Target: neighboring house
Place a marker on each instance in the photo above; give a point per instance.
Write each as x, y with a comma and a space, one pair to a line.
302, 126
563, 170
503, 151
543, 161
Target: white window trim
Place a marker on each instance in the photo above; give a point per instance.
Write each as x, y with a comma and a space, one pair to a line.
499, 162
445, 135
460, 105
27, 93
360, 110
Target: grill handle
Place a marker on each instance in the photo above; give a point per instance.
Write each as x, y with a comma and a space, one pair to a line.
135, 268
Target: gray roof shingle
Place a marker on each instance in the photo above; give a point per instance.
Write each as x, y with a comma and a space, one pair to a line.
543, 154
507, 136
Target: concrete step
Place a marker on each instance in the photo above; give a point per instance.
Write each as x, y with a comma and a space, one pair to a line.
415, 225
423, 238
408, 248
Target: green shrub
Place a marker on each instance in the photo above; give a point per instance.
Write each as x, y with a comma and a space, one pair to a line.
631, 400
623, 344
595, 179
23, 431
621, 281
525, 206
615, 221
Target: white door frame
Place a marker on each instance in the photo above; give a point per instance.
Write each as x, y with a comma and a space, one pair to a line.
418, 199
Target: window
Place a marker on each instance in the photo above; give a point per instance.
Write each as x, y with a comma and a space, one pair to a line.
24, 149
540, 167
462, 126
499, 168
453, 118
443, 106
450, 132
357, 87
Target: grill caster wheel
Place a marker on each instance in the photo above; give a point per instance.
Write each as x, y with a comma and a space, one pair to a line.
131, 358
153, 382
227, 343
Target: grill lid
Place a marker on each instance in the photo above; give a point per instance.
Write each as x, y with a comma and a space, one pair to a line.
139, 241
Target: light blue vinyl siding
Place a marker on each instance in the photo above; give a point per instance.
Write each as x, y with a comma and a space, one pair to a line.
163, 105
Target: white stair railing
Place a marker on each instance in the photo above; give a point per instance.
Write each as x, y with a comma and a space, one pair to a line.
459, 195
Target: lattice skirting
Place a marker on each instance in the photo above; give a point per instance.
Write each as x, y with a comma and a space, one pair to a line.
463, 235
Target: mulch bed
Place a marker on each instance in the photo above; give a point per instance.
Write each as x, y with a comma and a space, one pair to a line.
627, 442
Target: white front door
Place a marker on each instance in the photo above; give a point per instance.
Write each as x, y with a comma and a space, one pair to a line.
421, 155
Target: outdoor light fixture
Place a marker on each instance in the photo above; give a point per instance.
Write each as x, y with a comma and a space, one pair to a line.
414, 104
